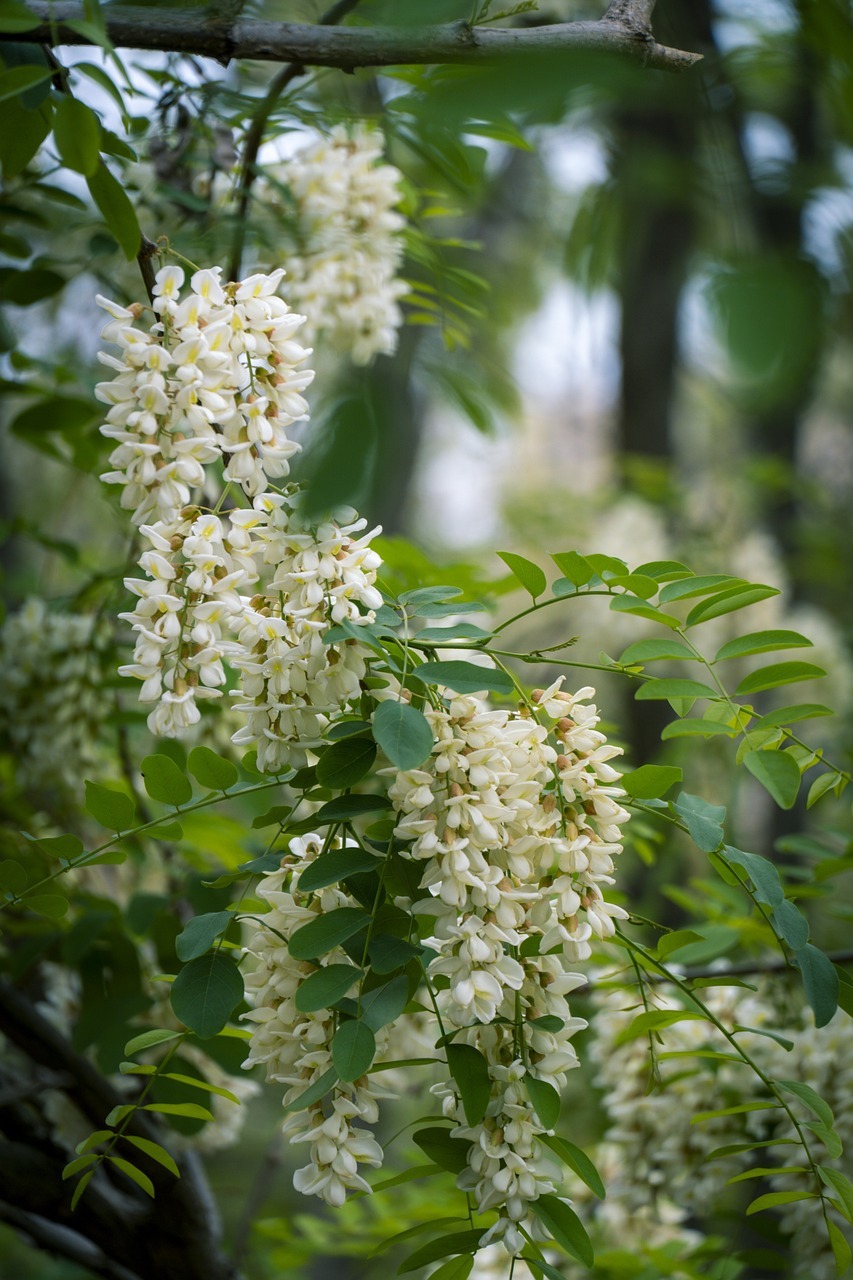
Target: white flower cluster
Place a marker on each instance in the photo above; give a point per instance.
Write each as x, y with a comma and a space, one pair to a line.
215, 377
52, 706
517, 836
292, 681
345, 277
661, 1175
295, 1047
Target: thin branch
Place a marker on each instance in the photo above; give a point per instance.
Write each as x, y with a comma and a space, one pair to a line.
205, 33
743, 969
255, 134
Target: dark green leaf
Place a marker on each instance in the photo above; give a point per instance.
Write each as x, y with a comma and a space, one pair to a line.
336, 866
119, 213
211, 770
148, 1039
313, 1093
464, 677
790, 715
790, 924
455, 1269
388, 953
345, 763
528, 574
565, 1227
200, 933
545, 1099
820, 982
384, 1004
206, 992
454, 1242
165, 781
762, 873
471, 1073
812, 1100
775, 1198
403, 733
326, 987
353, 1050
77, 134
777, 772
113, 809
445, 1151
18, 79
577, 1160
325, 933
345, 808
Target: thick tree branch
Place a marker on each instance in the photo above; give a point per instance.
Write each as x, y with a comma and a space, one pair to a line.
63, 1242
623, 30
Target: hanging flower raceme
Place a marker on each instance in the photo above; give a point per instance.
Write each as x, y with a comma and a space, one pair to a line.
517, 826
52, 706
215, 377
345, 277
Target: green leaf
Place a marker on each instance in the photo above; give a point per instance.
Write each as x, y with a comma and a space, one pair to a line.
50, 905
766, 1171
576, 567
113, 809
455, 1269
821, 785
384, 1004
664, 570
790, 924
636, 584
698, 728
812, 1100
790, 715
335, 866
828, 1137
739, 1109
702, 820
655, 650
775, 1198
345, 763
189, 1110
199, 934
653, 689
326, 987
94, 1140
345, 808
454, 1242
325, 933
841, 1185
416, 1230
762, 873
655, 1020
650, 781
528, 574
471, 1073
761, 642
15, 17
155, 1151
637, 609
464, 677
455, 631
403, 733
777, 772
708, 584
19, 79
540, 1267
193, 1082
422, 596
545, 1099
148, 1039
577, 1160
565, 1227
212, 770
206, 992
165, 781
729, 601
136, 1175
820, 982
119, 213
77, 134
777, 674
840, 1248
353, 1049
82, 1162
388, 953
438, 1146
313, 1093
736, 1148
